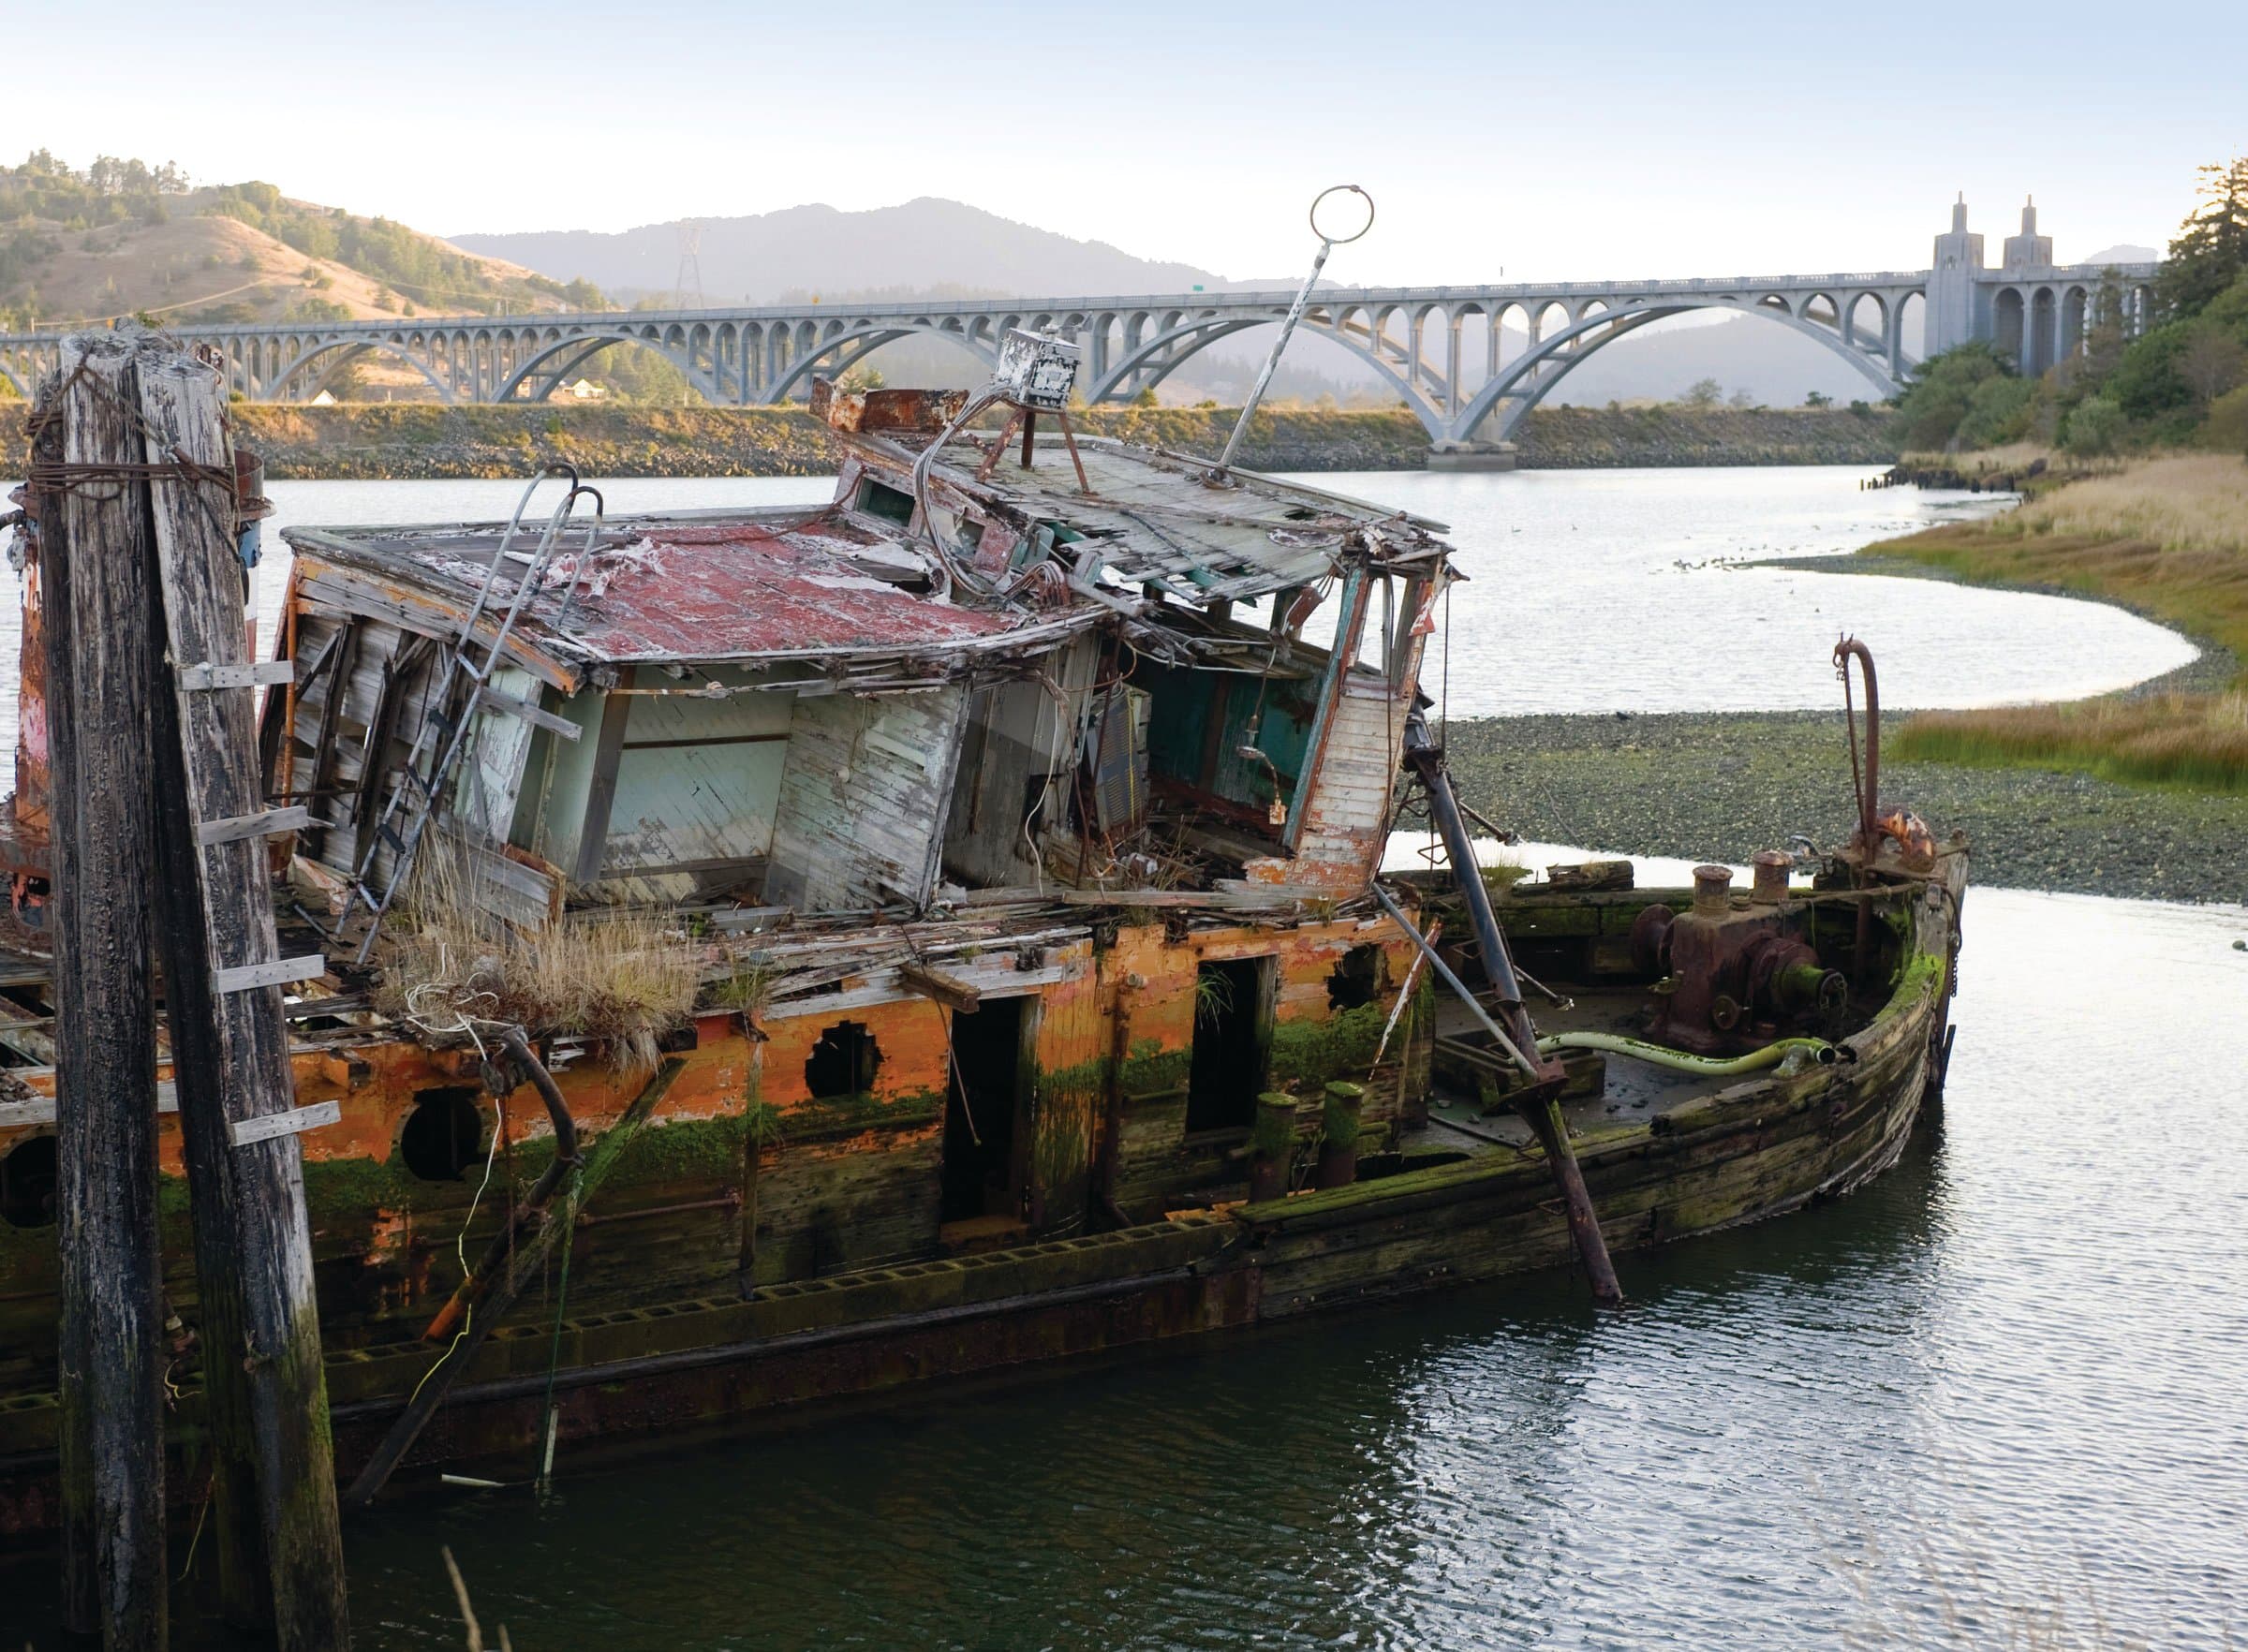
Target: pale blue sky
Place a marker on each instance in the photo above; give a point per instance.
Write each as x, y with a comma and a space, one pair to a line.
1586, 140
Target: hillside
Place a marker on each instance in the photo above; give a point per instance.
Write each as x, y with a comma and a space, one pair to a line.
911, 249
122, 238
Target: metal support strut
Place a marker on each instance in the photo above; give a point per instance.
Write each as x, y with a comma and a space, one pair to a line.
1539, 1103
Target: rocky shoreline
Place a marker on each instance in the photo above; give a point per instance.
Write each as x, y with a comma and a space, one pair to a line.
1722, 785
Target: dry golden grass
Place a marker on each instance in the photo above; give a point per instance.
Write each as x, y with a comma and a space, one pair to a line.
2193, 740
2184, 502
622, 978
2167, 537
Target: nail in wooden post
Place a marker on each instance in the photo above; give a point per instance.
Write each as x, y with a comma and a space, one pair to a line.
274, 1499
102, 662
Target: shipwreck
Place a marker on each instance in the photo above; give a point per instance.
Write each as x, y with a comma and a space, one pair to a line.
733, 958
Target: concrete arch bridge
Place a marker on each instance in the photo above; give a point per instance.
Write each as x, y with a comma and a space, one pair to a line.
1469, 361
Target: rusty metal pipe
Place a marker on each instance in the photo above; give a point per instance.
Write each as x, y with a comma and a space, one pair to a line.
542, 1192
1867, 779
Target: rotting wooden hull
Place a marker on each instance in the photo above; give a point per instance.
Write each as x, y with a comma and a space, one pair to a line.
1762, 1147
1765, 1147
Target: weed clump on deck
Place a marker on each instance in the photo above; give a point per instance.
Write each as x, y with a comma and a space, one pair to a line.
449, 966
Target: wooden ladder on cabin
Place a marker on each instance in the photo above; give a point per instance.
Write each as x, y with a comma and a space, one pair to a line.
465, 685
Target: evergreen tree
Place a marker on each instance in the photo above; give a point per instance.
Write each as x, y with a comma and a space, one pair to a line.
2210, 252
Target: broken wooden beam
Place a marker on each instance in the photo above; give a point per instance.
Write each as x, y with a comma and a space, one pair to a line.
961, 997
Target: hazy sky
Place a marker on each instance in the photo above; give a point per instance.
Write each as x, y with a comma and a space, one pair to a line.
1590, 140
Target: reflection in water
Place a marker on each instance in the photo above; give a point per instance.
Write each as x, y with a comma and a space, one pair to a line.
2008, 1375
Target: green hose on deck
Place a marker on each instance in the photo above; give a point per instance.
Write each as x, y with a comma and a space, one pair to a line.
1679, 1061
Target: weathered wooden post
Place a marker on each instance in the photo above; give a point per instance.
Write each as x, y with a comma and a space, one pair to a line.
1271, 1145
1341, 1106
94, 553
274, 1498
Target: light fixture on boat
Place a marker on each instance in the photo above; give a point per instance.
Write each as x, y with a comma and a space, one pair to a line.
1329, 238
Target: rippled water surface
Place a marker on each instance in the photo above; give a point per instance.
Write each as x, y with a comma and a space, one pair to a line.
2009, 1378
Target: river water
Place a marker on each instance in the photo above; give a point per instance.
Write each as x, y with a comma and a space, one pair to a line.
1998, 1399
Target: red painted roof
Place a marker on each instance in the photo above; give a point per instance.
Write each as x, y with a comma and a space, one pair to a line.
697, 586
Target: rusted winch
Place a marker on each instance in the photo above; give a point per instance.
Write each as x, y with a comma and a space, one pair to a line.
1733, 979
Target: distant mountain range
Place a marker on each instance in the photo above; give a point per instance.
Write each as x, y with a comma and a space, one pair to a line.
914, 248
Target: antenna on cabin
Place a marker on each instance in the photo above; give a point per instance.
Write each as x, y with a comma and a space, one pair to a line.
691, 265
1329, 238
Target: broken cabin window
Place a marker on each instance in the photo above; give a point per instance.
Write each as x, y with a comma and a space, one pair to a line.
27, 1177
877, 498
1233, 1043
444, 1134
1357, 978
842, 1063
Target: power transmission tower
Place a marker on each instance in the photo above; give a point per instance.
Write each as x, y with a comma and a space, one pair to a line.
690, 266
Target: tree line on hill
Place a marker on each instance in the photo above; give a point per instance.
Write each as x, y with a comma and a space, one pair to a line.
45, 198
2182, 381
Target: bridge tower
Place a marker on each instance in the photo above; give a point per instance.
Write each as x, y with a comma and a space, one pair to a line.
1955, 299
2029, 250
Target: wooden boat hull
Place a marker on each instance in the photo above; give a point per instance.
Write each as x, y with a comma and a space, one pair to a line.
1768, 1144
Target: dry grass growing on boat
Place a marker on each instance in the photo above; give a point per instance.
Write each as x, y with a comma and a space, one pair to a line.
623, 977
2167, 536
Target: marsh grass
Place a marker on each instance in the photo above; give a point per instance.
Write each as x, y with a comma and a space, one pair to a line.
2166, 536
623, 977
2198, 740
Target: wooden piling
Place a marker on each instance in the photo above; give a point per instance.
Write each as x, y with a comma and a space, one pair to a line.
1340, 1109
274, 1495
94, 551
1271, 1145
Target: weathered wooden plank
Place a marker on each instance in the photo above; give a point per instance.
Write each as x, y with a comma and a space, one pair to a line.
28, 1035
257, 673
562, 728
243, 978
243, 1132
264, 823
102, 675
274, 1510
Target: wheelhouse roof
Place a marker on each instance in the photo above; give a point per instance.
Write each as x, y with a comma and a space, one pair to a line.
1162, 519
710, 586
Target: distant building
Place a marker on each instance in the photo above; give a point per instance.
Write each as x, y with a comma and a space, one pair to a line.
586, 390
325, 399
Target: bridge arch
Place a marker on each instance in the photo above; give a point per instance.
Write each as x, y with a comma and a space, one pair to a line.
350, 349
572, 350
1164, 352
1524, 386
850, 344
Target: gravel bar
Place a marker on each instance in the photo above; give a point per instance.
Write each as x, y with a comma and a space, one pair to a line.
1721, 786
